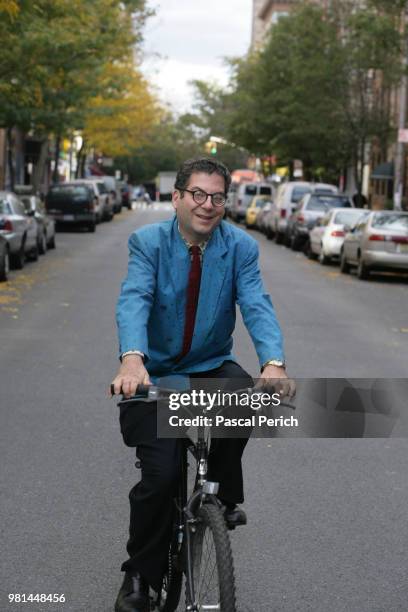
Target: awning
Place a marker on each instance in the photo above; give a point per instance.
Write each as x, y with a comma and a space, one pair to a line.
383, 172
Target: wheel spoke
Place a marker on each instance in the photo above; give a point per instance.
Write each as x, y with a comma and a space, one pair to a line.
208, 590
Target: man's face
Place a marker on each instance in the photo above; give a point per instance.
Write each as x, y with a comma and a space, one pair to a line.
198, 221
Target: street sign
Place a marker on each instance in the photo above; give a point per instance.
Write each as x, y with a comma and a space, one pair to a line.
403, 135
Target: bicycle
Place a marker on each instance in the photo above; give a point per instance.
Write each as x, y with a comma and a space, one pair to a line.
200, 545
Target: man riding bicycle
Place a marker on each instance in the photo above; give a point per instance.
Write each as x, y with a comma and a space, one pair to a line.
176, 315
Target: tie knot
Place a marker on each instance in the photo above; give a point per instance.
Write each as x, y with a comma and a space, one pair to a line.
195, 251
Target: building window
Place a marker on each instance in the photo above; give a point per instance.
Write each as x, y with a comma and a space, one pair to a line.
276, 15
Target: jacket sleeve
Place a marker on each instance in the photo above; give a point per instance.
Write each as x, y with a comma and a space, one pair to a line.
136, 298
256, 307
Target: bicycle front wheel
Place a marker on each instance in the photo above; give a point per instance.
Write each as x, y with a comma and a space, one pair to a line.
212, 565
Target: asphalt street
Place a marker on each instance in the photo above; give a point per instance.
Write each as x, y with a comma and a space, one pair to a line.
327, 528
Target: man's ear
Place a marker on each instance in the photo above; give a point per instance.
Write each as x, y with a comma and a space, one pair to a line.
175, 198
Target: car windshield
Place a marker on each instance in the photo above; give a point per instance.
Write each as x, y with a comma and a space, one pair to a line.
323, 202
5, 208
299, 192
323, 190
260, 202
395, 221
101, 188
26, 200
69, 190
348, 217
250, 190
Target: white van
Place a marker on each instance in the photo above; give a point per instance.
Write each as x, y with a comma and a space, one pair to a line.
244, 195
288, 196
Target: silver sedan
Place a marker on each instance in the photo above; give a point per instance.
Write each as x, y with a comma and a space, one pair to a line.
19, 229
327, 236
378, 242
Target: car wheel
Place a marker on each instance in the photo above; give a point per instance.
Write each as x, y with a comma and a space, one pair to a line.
308, 251
344, 266
91, 226
5, 266
34, 253
362, 270
323, 259
294, 243
51, 243
278, 238
18, 259
287, 241
42, 244
269, 233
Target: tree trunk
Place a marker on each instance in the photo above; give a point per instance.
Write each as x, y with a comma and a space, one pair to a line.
81, 159
39, 168
55, 174
10, 160
79, 162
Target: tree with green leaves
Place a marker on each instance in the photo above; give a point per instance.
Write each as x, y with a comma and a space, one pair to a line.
54, 60
311, 92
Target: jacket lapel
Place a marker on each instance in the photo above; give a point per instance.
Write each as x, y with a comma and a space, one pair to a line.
214, 267
179, 267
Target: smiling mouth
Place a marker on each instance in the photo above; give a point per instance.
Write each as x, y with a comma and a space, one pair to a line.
204, 218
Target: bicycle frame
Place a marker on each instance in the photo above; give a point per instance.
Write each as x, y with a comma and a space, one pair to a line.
203, 489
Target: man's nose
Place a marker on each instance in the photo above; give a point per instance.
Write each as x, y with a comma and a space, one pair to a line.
208, 205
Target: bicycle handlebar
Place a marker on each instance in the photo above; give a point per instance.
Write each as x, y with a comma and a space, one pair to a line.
153, 393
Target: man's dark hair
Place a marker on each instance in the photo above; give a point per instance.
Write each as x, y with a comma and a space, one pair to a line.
201, 164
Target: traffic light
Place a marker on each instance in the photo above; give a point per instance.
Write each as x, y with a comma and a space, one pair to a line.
213, 148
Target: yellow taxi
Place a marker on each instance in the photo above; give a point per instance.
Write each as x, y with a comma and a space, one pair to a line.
257, 204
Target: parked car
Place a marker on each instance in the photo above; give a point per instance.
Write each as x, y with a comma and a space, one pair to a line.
113, 188
287, 198
125, 191
377, 242
244, 196
103, 199
45, 225
327, 236
4, 259
19, 229
263, 215
254, 209
310, 208
72, 203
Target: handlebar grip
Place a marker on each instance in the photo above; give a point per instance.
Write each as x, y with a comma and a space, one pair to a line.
141, 390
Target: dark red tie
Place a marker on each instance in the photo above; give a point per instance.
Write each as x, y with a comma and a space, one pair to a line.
193, 290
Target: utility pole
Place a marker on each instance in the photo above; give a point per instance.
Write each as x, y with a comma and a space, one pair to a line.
399, 154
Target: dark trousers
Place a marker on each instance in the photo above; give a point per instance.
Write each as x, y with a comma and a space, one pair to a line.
160, 459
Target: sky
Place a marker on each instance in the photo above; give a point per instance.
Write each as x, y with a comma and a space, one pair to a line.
187, 39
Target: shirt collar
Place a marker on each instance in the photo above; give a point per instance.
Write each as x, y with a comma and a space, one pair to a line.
202, 246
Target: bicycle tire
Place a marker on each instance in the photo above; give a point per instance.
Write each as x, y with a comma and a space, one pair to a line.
172, 582
211, 520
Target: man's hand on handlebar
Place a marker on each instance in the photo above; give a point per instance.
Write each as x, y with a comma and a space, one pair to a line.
275, 379
131, 374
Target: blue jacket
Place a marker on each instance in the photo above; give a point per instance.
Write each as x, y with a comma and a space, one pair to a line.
151, 306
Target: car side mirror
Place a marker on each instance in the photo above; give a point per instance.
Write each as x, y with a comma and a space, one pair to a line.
347, 228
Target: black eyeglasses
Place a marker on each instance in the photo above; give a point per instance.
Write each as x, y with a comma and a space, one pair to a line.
200, 196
